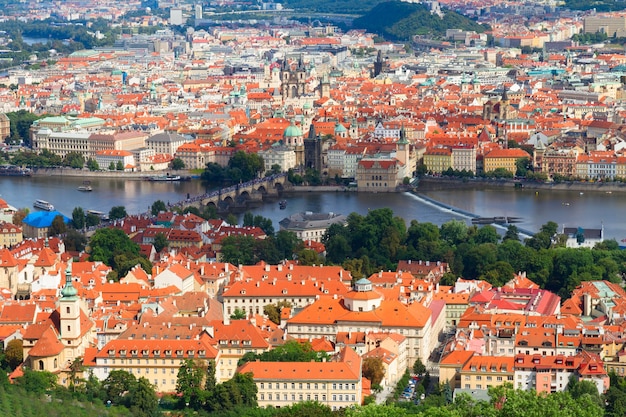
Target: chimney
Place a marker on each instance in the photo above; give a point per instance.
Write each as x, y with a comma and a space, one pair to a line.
226, 267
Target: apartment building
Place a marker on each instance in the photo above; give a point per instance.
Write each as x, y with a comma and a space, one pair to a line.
259, 285
438, 160
483, 372
336, 384
364, 309
10, 234
156, 360
234, 339
504, 158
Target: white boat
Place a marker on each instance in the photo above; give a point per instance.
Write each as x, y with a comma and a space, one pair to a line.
43, 205
165, 178
103, 216
85, 187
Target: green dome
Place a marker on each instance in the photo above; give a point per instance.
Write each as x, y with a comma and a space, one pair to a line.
69, 291
306, 105
292, 131
339, 128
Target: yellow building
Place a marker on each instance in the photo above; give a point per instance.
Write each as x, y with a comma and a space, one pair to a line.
482, 372
10, 234
438, 160
504, 158
154, 359
234, 339
336, 384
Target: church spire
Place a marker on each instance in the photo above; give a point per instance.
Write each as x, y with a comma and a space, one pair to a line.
69, 292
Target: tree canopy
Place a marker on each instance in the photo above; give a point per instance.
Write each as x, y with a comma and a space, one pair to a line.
114, 248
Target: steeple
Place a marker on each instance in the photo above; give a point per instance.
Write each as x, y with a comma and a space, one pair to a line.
403, 140
69, 292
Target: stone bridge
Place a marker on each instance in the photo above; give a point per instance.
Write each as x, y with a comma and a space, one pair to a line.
241, 196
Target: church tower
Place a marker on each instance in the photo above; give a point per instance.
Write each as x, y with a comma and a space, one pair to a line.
378, 64
292, 80
403, 152
69, 311
325, 86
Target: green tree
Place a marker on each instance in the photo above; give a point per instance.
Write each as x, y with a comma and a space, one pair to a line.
238, 314
486, 234
37, 382
74, 241
374, 370
157, 207
92, 220
247, 166
177, 164
190, 383
142, 399
512, 233
13, 353
58, 226
117, 212
239, 250
418, 367
78, 218
113, 247
117, 385
112, 166
272, 311
304, 409
92, 165
522, 165
74, 160
160, 242
19, 215
119, 165
231, 219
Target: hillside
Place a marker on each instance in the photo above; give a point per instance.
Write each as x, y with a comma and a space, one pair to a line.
397, 20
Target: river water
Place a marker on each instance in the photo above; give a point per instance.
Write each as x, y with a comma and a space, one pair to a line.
569, 208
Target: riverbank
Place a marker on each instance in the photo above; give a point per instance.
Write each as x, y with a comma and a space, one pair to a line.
438, 183
85, 173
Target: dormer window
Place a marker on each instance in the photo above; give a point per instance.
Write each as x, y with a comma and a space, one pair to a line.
201, 352
243, 292
179, 352
145, 352
190, 353
156, 352
133, 352
168, 352
285, 291
111, 352
123, 352
247, 343
223, 342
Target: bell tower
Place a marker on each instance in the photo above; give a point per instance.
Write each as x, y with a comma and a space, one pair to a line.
69, 311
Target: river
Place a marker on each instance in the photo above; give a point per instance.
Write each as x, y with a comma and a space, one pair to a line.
587, 209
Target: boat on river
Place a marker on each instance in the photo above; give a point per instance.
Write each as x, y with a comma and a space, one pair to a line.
165, 178
85, 187
43, 205
282, 204
100, 214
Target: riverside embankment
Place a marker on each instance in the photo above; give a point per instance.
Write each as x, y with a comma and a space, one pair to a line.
85, 173
438, 183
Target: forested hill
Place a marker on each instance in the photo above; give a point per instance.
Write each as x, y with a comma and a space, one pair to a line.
397, 20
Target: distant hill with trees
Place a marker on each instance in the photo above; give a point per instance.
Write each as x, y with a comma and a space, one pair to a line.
397, 20
598, 5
